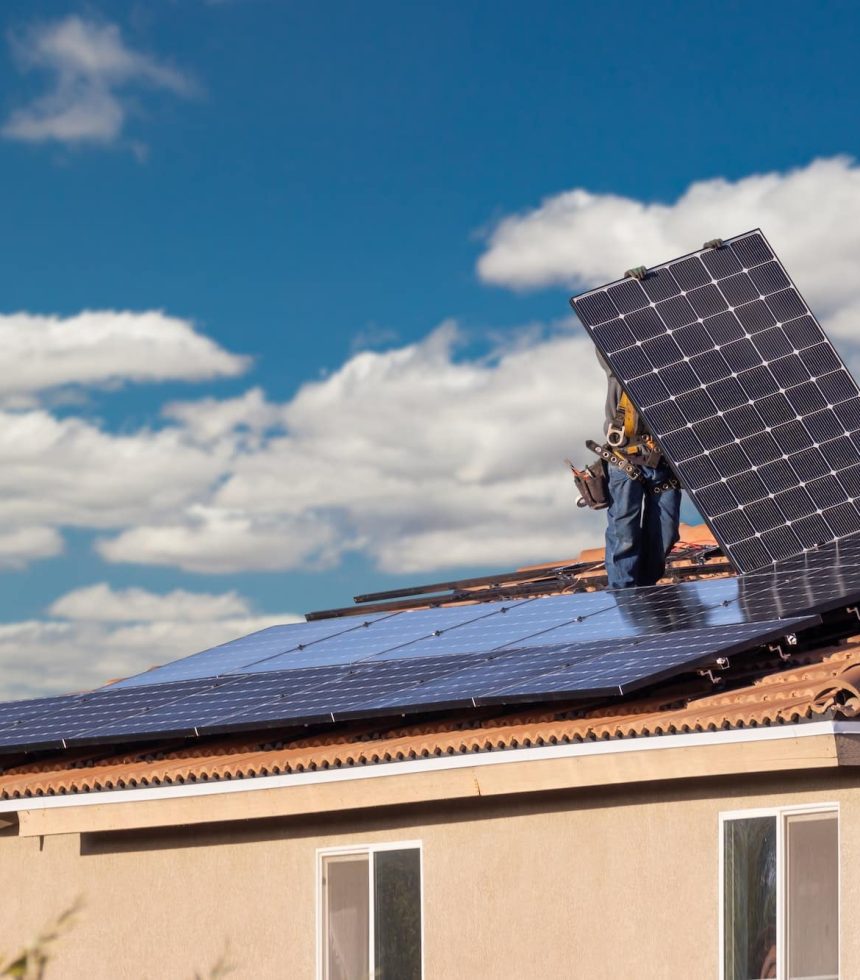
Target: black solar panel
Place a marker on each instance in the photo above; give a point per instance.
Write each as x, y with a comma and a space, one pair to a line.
748, 399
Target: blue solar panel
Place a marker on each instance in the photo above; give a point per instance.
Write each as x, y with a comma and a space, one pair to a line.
302, 695
398, 636
335, 693
256, 649
56, 720
597, 643
646, 661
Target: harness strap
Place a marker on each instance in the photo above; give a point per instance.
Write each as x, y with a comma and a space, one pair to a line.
611, 456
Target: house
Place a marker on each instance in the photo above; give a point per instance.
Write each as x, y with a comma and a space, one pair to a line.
705, 825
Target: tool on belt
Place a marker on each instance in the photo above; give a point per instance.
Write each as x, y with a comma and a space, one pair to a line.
593, 481
629, 448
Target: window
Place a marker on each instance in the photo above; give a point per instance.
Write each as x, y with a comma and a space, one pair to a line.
780, 894
370, 913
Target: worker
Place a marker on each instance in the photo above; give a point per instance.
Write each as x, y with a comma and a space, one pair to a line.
644, 510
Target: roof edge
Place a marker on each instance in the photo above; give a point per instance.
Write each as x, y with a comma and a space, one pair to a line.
571, 766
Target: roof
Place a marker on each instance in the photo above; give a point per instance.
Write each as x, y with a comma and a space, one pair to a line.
824, 685
760, 690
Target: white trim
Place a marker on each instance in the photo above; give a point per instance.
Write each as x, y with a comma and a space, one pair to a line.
462, 761
781, 814
369, 849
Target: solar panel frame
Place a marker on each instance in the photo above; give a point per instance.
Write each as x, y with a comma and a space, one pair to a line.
666, 378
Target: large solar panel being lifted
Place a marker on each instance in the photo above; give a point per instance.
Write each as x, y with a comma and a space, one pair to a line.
745, 394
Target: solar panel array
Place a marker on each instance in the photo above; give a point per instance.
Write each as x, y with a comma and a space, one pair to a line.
594, 644
335, 693
746, 396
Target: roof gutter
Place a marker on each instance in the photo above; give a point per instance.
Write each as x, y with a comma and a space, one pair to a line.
650, 758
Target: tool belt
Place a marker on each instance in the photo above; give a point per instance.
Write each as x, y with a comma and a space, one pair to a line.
593, 481
592, 484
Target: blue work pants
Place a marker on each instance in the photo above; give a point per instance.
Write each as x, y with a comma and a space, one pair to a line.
642, 527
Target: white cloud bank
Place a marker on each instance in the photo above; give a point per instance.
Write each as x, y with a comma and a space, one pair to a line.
97, 633
91, 71
106, 347
415, 458
580, 239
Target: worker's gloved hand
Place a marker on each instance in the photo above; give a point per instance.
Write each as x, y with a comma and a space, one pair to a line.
714, 243
637, 272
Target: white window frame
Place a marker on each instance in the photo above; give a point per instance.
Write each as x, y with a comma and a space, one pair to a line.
782, 814
369, 849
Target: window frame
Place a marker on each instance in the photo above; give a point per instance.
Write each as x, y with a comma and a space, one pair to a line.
782, 814
369, 849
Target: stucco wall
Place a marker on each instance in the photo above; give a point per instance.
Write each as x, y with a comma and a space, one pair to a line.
592, 885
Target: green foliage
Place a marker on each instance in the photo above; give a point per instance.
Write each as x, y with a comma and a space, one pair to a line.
31, 962
221, 968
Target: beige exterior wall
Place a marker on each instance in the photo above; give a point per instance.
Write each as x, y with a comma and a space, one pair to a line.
592, 884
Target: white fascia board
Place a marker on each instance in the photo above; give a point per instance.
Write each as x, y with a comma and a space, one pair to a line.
249, 784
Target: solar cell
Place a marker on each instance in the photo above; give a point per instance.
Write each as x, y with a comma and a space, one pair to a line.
735, 378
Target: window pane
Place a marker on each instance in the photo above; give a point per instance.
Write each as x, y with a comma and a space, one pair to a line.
750, 898
813, 896
347, 924
398, 915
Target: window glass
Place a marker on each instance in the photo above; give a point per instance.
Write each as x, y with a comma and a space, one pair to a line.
750, 898
346, 900
813, 896
397, 914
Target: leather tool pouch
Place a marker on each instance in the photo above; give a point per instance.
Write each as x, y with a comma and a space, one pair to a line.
592, 484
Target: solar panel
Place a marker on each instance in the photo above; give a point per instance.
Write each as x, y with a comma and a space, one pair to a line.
312, 695
746, 396
54, 721
646, 661
288, 641
603, 643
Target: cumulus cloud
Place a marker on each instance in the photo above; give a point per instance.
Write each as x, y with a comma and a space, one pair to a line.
579, 239
412, 456
21, 545
96, 634
213, 540
102, 347
210, 419
71, 472
102, 604
92, 71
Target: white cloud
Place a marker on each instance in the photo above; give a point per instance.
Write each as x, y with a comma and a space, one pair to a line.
91, 70
101, 347
97, 634
579, 239
70, 472
414, 457
210, 419
102, 604
21, 545
212, 540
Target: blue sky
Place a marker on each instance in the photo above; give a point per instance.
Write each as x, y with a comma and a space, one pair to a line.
301, 183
